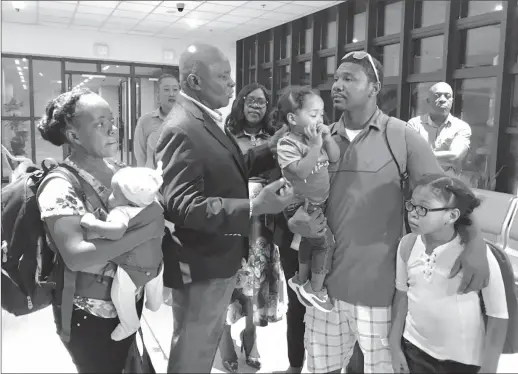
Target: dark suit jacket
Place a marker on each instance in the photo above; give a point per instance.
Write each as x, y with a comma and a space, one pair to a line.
205, 194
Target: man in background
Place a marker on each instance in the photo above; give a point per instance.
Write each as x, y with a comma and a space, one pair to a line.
146, 132
448, 136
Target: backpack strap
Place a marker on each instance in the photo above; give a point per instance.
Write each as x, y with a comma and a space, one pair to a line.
86, 193
406, 246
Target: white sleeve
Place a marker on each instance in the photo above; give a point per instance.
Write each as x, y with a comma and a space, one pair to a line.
494, 297
119, 215
401, 272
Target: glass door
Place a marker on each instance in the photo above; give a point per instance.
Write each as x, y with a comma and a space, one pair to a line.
115, 90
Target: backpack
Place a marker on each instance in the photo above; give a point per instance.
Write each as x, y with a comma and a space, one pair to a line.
511, 293
29, 265
395, 130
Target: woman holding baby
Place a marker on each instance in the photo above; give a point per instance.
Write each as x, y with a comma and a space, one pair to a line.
83, 120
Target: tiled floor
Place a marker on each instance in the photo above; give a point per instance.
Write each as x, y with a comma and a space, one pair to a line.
30, 345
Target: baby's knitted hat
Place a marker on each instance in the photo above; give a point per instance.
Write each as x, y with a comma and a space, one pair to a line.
138, 184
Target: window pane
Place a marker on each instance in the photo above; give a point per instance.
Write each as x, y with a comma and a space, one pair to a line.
474, 103
428, 54
305, 73
16, 136
359, 26
474, 8
45, 149
266, 79
285, 43
15, 87
391, 18
81, 66
119, 69
328, 30
328, 68
47, 83
482, 46
418, 95
148, 71
387, 99
251, 53
429, 12
513, 139
389, 57
148, 88
251, 76
283, 77
308, 38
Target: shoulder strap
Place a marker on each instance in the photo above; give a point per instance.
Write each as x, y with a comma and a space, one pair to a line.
406, 246
397, 129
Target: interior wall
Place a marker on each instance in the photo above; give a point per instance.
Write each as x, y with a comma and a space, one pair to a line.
60, 42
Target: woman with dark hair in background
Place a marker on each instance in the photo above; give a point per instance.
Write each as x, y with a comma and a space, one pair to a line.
83, 120
259, 292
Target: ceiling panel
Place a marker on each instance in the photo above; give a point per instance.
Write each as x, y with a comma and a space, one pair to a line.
234, 19
295, 9
215, 8
59, 5
136, 7
200, 20
104, 3
93, 10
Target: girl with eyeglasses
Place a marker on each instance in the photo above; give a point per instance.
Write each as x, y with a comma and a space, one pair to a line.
435, 329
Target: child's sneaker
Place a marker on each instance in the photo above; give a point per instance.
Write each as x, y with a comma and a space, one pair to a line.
319, 300
296, 286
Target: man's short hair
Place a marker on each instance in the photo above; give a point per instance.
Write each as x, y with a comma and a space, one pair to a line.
367, 67
166, 75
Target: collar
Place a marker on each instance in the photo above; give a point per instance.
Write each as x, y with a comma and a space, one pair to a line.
214, 114
374, 122
428, 120
260, 134
158, 114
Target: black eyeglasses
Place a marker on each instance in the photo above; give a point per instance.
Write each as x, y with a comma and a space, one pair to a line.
421, 210
258, 103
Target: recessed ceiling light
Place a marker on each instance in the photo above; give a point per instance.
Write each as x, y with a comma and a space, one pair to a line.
19, 68
24, 59
106, 67
24, 87
60, 82
191, 49
41, 74
17, 62
499, 7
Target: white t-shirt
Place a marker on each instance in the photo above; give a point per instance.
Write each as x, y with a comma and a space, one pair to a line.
442, 323
351, 134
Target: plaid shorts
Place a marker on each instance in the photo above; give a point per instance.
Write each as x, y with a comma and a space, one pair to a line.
330, 337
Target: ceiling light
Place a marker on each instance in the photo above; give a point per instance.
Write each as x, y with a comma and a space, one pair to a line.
24, 87
91, 76
26, 67
106, 67
60, 82
24, 59
153, 79
19, 68
355, 40
41, 74
193, 23
17, 62
499, 7
117, 66
18, 5
20, 73
191, 49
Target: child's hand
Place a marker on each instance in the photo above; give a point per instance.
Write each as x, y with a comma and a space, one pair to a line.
314, 136
88, 220
326, 133
399, 363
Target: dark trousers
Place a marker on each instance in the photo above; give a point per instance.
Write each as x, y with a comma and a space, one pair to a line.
421, 362
199, 311
296, 311
91, 347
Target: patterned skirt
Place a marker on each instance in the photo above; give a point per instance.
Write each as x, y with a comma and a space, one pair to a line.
260, 278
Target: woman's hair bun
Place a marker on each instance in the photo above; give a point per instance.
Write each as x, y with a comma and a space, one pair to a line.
57, 114
50, 128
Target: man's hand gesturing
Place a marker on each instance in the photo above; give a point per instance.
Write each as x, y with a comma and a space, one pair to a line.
273, 198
